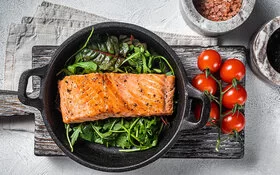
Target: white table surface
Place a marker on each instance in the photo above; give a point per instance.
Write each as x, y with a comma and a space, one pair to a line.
262, 142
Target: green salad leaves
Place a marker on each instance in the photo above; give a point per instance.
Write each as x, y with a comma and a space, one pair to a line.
123, 54
130, 134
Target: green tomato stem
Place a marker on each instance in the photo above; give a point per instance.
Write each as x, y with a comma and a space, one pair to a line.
227, 90
226, 113
219, 82
221, 96
237, 107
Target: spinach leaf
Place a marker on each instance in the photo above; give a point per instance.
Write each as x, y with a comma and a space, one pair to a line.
124, 48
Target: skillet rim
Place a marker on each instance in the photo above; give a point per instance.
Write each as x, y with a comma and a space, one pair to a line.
181, 74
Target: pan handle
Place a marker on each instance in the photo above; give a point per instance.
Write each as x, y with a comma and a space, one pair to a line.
23, 81
188, 124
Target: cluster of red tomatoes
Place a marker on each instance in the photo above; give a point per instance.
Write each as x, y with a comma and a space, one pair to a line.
231, 96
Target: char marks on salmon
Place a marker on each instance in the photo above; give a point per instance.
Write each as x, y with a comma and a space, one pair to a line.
98, 96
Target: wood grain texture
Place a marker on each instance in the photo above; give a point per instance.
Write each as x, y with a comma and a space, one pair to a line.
191, 144
11, 106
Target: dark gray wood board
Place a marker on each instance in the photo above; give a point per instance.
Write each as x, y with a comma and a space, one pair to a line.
191, 144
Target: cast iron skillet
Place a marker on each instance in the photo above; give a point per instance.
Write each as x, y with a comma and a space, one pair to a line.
98, 156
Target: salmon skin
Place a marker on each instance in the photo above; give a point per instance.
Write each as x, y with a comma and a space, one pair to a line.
98, 96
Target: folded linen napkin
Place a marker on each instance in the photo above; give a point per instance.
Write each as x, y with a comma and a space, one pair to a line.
51, 25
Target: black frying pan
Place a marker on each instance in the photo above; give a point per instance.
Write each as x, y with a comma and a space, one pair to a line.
98, 156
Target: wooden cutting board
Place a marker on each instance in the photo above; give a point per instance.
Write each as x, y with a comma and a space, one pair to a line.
191, 144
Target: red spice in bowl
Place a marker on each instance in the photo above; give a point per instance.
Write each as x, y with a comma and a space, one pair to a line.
218, 10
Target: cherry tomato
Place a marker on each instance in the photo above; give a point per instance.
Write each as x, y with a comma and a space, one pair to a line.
232, 68
234, 95
233, 122
214, 113
209, 59
203, 83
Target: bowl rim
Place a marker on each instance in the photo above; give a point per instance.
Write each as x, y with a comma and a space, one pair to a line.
258, 48
216, 26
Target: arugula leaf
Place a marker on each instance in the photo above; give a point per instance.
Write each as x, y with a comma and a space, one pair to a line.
88, 67
68, 130
170, 67
134, 55
122, 141
131, 134
87, 132
75, 134
117, 126
145, 68
99, 133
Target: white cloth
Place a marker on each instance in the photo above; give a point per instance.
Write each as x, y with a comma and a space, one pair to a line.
51, 25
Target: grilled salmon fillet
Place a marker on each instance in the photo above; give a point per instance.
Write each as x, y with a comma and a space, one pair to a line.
98, 96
